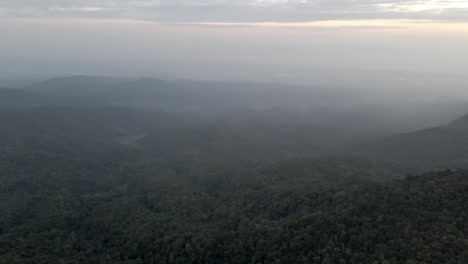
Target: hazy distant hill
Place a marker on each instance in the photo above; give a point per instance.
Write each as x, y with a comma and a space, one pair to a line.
71, 130
219, 96
106, 91
79, 85
19, 82
20, 98
352, 107
189, 95
442, 146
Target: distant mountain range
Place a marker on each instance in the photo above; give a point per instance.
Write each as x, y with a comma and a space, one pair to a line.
321, 122
323, 104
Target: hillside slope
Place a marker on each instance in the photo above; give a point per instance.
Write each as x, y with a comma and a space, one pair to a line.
437, 147
123, 208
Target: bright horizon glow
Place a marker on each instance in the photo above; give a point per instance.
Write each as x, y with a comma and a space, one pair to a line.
404, 26
400, 25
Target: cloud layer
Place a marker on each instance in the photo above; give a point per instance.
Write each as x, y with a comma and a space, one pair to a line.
174, 11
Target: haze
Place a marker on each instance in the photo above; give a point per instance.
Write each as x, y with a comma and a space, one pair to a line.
236, 40
248, 131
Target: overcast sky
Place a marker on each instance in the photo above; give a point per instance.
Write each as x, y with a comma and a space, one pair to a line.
230, 39
238, 10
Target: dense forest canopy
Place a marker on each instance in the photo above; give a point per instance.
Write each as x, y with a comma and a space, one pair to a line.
121, 170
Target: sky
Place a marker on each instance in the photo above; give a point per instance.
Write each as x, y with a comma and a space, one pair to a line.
220, 39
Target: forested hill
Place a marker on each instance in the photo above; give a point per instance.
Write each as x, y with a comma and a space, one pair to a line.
100, 181
71, 130
436, 147
123, 208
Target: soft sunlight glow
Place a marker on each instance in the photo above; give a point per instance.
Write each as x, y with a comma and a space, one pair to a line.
401, 25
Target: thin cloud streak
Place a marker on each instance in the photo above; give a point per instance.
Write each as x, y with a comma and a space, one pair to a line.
74, 8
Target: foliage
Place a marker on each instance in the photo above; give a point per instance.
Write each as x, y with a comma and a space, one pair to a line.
126, 208
117, 185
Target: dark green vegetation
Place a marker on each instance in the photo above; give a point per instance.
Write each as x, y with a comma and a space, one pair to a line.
84, 178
